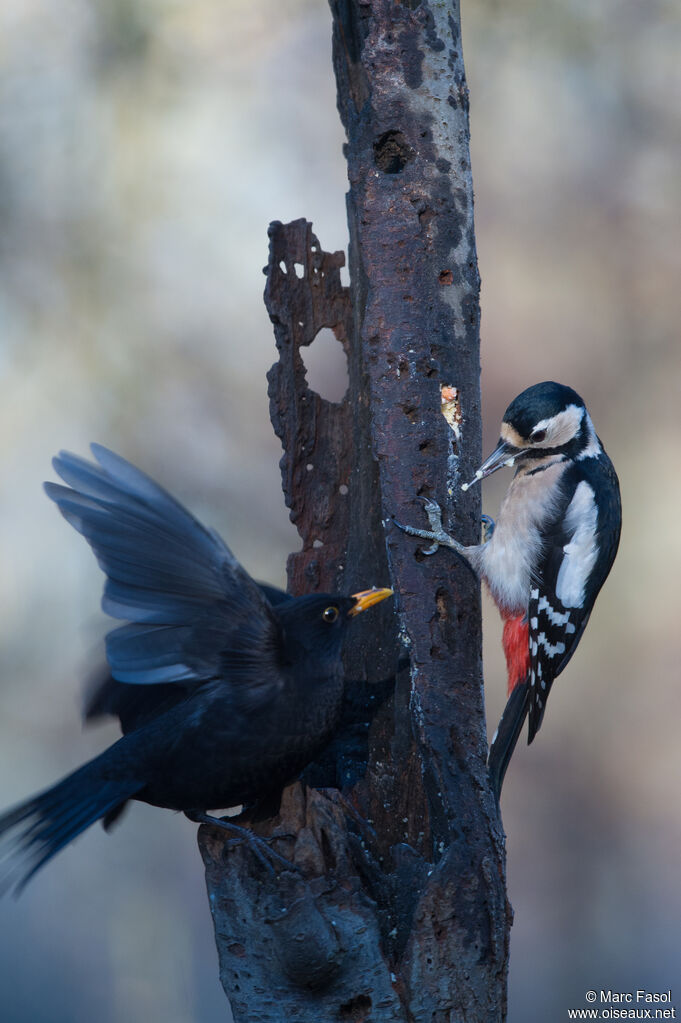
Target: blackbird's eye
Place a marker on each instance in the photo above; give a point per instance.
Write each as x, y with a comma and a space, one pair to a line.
330, 614
538, 436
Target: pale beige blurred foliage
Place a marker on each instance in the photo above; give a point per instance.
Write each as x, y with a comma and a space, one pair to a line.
144, 148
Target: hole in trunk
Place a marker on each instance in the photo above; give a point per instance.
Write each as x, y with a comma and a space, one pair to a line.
392, 152
326, 367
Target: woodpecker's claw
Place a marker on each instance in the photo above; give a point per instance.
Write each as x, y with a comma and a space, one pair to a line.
488, 527
436, 533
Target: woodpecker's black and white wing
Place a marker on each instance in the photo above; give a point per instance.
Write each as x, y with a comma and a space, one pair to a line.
579, 547
193, 613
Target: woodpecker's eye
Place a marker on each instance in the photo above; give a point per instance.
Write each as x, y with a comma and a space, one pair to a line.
329, 614
538, 436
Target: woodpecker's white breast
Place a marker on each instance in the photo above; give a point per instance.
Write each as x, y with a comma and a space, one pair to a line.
508, 560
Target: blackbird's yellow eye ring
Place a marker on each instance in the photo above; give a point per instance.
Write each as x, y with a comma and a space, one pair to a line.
330, 614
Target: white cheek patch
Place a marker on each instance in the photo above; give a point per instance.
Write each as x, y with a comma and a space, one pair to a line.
561, 428
579, 556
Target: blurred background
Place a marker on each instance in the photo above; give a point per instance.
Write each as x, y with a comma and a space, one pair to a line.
144, 147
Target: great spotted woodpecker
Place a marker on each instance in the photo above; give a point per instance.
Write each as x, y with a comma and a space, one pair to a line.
550, 551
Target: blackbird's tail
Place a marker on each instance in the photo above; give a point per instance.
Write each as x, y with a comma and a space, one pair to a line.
507, 735
33, 832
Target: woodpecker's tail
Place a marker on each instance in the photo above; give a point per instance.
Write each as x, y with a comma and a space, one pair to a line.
507, 735
33, 832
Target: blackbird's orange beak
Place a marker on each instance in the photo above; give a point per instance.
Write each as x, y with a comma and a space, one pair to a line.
367, 598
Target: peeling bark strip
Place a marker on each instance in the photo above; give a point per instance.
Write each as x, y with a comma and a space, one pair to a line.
310, 945
399, 912
315, 434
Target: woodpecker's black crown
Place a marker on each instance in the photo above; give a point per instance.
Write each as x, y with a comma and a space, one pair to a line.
538, 403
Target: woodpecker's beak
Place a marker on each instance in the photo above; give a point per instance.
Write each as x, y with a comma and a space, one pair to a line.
503, 454
367, 598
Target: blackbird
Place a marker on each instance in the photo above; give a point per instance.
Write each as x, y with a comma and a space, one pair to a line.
241, 686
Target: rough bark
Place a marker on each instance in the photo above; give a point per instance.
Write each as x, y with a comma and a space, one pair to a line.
399, 911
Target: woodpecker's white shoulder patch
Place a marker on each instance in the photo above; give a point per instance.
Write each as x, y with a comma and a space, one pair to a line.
579, 555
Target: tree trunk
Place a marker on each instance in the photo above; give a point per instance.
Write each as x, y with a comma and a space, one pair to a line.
399, 912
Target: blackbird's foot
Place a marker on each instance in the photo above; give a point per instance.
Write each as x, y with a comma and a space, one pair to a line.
436, 534
351, 811
259, 846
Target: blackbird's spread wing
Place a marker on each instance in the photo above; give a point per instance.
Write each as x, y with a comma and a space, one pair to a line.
559, 608
194, 613
134, 705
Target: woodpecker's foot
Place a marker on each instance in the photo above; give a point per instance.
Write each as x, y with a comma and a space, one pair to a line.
259, 846
436, 533
488, 527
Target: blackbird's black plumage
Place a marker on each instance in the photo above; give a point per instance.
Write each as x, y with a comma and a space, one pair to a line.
240, 686
134, 705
